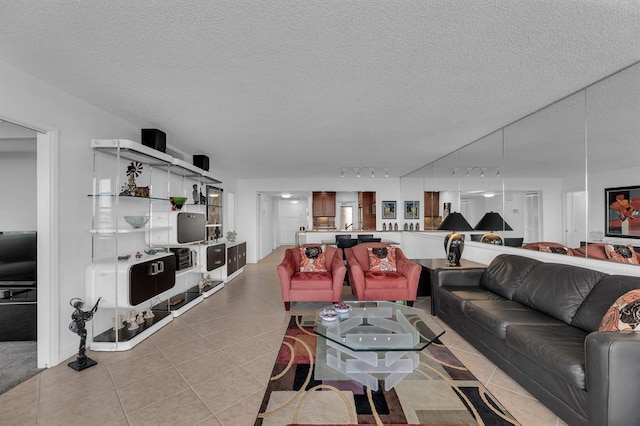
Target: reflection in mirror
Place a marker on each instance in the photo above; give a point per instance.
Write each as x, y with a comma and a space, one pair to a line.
544, 170
480, 176
613, 158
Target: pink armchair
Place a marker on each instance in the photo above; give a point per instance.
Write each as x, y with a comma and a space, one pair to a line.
382, 284
297, 286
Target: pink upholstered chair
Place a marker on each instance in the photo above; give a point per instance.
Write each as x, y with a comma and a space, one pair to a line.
297, 286
370, 284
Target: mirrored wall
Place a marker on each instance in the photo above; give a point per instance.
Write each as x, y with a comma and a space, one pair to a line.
567, 173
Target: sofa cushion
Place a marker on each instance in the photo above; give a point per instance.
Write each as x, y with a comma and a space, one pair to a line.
624, 314
457, 297
382, 259
558, 349
621, 254
311, 281
506, 272
496, 315
382, 279
556, 250
557, 290
600, 299
313, 258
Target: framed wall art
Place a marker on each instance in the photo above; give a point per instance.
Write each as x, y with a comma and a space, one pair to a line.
411, 209
388, 209
622, 207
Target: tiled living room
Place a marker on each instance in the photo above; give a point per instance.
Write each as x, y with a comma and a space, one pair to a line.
210, 367
405, 112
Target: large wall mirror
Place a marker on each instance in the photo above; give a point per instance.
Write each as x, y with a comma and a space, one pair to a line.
546, 173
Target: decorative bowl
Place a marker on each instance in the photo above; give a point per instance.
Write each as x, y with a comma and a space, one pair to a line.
177, 202
136, 221
328, 315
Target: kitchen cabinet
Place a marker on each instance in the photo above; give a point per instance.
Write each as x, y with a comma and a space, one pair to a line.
324, 204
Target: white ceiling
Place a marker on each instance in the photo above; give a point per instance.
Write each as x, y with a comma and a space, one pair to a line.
303, 89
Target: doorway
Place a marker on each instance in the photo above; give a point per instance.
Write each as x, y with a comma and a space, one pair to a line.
46, 194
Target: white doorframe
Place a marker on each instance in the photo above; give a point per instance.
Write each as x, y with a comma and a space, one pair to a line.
48, 260
47, 228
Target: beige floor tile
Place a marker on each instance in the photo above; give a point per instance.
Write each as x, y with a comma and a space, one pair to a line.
171, 336
184, 409
61, 375
226, 389
188, 350
261, 367
94, 406
229, 337
244, 412
19, 406
205, 367
245, 351
210, 421
151, 389
137, 368
213, 325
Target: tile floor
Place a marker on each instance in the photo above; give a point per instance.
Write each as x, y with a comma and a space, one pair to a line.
210, 366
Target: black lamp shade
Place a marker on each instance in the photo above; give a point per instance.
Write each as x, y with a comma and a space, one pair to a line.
454, 243
491, 222
455, 222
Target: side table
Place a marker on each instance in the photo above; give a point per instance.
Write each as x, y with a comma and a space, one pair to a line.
430, 266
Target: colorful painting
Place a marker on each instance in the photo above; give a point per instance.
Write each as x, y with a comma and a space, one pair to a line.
622, 212
411, 209
388, 209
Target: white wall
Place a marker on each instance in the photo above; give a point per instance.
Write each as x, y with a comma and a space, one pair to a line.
18, 191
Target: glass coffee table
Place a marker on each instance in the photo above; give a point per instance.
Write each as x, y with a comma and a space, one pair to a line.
376, 340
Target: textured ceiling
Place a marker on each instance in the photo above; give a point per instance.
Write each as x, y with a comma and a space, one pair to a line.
293, 89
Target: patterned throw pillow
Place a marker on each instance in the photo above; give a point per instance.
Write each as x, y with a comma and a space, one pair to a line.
382, 259
622, 254
624, 314
313, 259
556, 250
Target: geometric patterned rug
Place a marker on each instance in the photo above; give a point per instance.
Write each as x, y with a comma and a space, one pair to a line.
303, 390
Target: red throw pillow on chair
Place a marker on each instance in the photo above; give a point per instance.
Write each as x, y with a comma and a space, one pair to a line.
313, 259
382, 259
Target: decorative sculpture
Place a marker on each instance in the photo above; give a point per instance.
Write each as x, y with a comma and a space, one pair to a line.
133, 171
195, 194
79, 318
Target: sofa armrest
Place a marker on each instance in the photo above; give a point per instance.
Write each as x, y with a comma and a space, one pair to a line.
450, 277
286, 269
411, 271
613, 376
356, 274
338, 271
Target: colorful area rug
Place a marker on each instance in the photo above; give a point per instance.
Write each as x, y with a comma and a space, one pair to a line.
305, 391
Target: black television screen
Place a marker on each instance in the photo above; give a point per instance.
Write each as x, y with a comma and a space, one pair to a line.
191, 227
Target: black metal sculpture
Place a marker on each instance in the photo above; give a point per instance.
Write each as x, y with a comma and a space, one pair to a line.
79, 318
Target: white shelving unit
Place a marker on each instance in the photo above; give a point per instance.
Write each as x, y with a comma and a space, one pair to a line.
126, 270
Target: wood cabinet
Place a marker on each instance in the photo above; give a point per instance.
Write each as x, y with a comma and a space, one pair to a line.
215, 256
151, 278
324, 204
431, 204
236, 258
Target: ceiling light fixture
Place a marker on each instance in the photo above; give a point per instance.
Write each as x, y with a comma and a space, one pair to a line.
386, 173
357, 173
286, 195
372, 173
